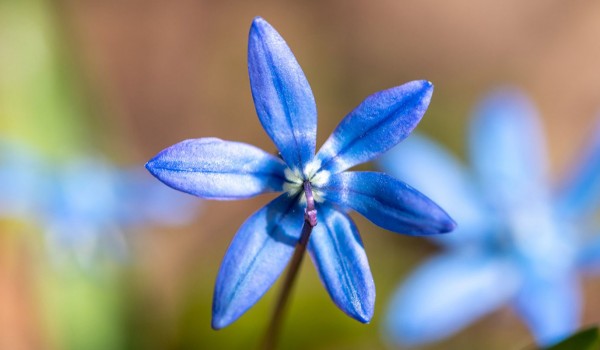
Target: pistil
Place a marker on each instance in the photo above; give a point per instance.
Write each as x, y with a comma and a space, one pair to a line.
310, 213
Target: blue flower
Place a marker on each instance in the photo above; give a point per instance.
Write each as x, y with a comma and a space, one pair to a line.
89, 203
84, 205
215, 169
519, 241
19, 184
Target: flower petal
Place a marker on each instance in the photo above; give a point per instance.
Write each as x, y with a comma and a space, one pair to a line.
283, 99
256, 257
388, 203
22, 180
589, 255
339, 256
215, 169
580, 193
507, 149
380, 122
551, 306
422, 163
145, 201
446, 294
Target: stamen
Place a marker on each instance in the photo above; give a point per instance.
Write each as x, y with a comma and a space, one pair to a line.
312, 168
293, 176
320, 178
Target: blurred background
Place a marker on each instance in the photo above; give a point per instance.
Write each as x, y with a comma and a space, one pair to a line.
97, 256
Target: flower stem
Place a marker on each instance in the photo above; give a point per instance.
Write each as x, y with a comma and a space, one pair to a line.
310, 221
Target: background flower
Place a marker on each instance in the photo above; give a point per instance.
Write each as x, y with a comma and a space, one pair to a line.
518, 242
84, 207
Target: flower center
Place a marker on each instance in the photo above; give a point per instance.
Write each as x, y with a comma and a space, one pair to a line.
312, 174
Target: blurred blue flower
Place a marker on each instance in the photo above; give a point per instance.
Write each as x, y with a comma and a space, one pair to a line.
84, 205
216, 169
19, 180
518, 242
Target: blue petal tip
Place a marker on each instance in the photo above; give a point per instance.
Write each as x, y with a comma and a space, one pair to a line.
152, 168
149, 166
425, 88
366, 319
220, 319
258, 21
448, 226
218, 324
428, 86
363, 314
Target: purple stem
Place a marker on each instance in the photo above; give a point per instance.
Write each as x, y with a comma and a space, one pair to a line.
310, 221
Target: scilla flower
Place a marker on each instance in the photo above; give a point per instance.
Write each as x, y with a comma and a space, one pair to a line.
519, 242
84, 205
88, 204
316, 188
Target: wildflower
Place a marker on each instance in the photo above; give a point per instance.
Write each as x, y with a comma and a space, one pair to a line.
518, 243
19, 184
84, 205
316, 188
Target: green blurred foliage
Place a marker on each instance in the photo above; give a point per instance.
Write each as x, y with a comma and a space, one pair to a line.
587, 339
83, 309
40, 103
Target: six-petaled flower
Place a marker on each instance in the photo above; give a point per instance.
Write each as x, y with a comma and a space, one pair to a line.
518, 242
216, 169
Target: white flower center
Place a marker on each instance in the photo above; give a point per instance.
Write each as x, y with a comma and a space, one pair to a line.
312, 173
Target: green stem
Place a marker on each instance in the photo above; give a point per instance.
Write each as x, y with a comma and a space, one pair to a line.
310, 221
